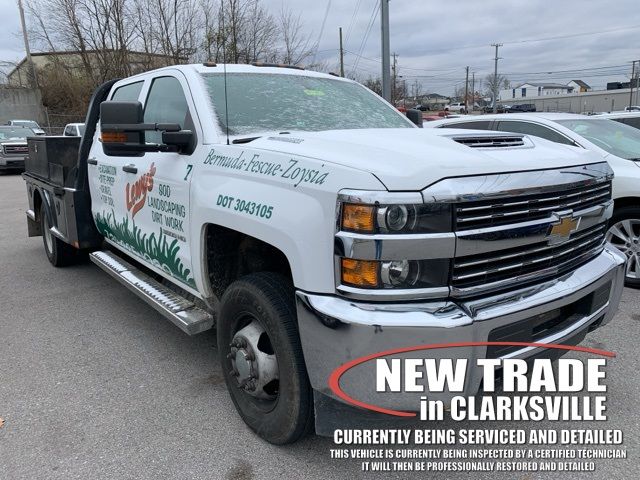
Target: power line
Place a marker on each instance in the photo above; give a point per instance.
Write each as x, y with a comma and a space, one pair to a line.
372, 20
573, 35
530, 40
352, 22
324, 21
377, 60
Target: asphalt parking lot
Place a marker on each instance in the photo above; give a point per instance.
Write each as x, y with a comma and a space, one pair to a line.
95, 384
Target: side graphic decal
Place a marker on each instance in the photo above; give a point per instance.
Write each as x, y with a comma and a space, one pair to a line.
154, 249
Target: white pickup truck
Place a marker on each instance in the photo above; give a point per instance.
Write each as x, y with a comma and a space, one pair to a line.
312, 224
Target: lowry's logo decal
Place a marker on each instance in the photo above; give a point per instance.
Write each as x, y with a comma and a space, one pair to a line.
136, 194
562, 230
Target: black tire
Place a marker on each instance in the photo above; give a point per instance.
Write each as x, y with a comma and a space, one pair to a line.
59, 253
269, 299
621, 214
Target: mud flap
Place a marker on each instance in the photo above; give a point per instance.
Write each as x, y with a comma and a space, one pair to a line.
34, 229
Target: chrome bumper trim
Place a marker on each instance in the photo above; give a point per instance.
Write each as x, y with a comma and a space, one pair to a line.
334, 330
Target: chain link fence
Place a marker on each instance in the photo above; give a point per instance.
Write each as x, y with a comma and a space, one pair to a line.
57, 121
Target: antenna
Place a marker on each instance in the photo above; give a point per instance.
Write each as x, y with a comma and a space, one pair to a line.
224, 69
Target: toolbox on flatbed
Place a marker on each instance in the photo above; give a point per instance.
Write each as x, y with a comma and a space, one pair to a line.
54, 159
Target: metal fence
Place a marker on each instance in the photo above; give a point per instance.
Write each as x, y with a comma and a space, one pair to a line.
57, 121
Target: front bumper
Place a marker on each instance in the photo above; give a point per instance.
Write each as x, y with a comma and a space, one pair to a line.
335, 330
8, 163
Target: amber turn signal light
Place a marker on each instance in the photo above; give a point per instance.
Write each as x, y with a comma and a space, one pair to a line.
358, 218
113, 137
360, 273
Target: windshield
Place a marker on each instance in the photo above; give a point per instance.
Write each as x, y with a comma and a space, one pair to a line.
264, 102
615, 138
26, 123
15, 133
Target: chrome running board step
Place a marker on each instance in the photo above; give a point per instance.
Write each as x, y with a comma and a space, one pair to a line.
183, 313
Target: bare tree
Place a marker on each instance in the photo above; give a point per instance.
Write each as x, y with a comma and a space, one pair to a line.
491, 81
95, 40
373, 84
296, 47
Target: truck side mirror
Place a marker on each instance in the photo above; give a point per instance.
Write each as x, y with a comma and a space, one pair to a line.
122, 130
415, 116
183, 140
118, 132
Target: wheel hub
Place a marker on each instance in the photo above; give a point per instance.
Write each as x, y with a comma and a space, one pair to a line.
253, 362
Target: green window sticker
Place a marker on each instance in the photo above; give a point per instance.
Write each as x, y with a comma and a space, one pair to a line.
314, 93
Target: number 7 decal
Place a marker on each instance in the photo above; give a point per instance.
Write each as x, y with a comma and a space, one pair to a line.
189, 168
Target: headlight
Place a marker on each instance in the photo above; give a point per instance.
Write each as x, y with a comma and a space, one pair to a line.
400, 274
395, 218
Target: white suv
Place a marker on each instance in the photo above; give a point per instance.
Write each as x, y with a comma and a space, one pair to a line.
456, 107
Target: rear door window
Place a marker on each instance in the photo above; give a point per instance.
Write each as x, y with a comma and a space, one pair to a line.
128, 93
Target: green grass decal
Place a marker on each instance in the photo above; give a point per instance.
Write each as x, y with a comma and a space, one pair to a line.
155, 250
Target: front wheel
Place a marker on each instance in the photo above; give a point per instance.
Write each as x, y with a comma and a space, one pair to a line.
261, 357
624, 234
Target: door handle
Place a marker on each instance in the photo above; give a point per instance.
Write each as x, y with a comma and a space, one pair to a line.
92, 161
131, 168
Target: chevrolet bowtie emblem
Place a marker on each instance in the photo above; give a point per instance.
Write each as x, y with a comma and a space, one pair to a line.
561, 231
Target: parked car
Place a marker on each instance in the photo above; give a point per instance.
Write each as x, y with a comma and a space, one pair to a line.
28, 124
632, 108
13, 147
438, 116
73, 130
456, 107
500, 108
422, 108
616, 142
523, 107
312, 246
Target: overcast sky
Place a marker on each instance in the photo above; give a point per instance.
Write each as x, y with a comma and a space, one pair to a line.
436, 39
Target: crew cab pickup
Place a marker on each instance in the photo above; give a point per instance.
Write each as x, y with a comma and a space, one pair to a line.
312, 225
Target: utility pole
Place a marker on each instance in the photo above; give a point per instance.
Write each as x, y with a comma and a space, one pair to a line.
386, 50
495, 78
394, 78
34, 76
466, 90
341, 54
633, 74
473, 90
637, 79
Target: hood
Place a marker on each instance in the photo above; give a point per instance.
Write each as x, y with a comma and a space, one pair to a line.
412, 158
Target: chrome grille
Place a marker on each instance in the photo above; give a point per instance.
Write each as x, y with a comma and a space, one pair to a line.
515, 266
490, 213
15, 149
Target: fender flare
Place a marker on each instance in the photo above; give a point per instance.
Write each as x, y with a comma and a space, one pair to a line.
47, 203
